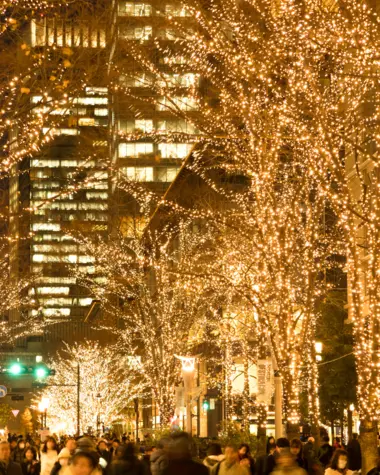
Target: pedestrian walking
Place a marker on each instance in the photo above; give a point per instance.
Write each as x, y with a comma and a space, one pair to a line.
337, 444
354, 453
30, 464
296, 449
180, 457
127, 462
18, 453
49, 455
339, 464
214, 455
286, 464
103, 451
231, 463
64, 458
159, 459
262, 461
7, 465
325, 452
246, 459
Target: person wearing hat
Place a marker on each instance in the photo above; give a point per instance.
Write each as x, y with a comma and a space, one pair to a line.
64, 457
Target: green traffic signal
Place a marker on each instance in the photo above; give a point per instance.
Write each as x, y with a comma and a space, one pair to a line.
40, 372
16, 369
206, 405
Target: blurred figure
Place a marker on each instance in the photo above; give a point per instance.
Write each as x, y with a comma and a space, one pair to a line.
282, 445
30, 464
339, 464
296, 449
115, 445
337, 444
148, 451
246, 459
159, 459
71, 444
103, 451
82, 463
375, 470
7, 465
126, 462
310, 455
286, 464
18, 453
214, 455
262, 461
180, 457
64, 457
325, 452
231, 463
354, 453
49, 455
270, 442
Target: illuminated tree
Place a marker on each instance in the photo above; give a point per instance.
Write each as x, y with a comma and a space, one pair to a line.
108, 385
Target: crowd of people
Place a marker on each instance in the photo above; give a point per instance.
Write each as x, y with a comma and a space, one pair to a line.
175, 455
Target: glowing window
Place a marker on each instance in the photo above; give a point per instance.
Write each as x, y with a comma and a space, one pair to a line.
139, 173
174, 150
165, 174
134, 150
46, 227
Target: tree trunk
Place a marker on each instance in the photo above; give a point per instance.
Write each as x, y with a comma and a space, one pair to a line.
332, 430
368, 444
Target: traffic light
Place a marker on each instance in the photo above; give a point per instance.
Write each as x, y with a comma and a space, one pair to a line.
206, 405
39, 372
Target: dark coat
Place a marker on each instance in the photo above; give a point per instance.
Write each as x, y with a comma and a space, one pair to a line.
325, 454
159, 461
14, 468
126, 467
30, 468
18, 455
185, 467
354, 455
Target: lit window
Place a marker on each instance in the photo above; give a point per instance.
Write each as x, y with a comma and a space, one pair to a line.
56, 312
53, 290
176, 126
96, 195
134, 150
174, 150
46, 227
96, 91
41, 163
86, 121
145, 125
182, 103
48, 130
38, 33
139, 173
135, 9
166, 174
142, 33
101, 112
176, 10
38, 258
91, 101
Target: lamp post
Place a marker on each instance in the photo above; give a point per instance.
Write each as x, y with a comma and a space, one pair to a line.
43, 407
188, 367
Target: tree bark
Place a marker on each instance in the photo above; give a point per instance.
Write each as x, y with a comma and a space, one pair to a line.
368, 444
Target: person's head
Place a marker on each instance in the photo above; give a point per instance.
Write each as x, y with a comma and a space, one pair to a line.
310, 440
64, 457
21, 445
282, 443
244, 450
50, 444
119, 452
355, 436
272, 448
296, 447
214, 449
13, 443
84, 462
339, 460
30, 454
102, 446
86, 444
337, 440
71, 444
232, 454
124, 439
128, 452
285, 459
5, 451
326, 439
163, 443
181, 446
37, 442
271, 440
115, 443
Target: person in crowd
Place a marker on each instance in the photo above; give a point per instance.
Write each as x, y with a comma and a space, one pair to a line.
127, 462
296, 449
261, 462
339, 464
103, 451
18, 453
310, 455
83, 462
30, 465
180, 457
325, 452
375, 470
270, 442
337, 444
246, 459
148, 451
115, 445
231, 464
64, 457
354, 453
159, 459
286, 464
71, 444
13, 443
49, 455
214, 455
7, 465
282, 445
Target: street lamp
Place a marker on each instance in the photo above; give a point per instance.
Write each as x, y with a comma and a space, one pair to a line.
43, 407
318, 350
188, 367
